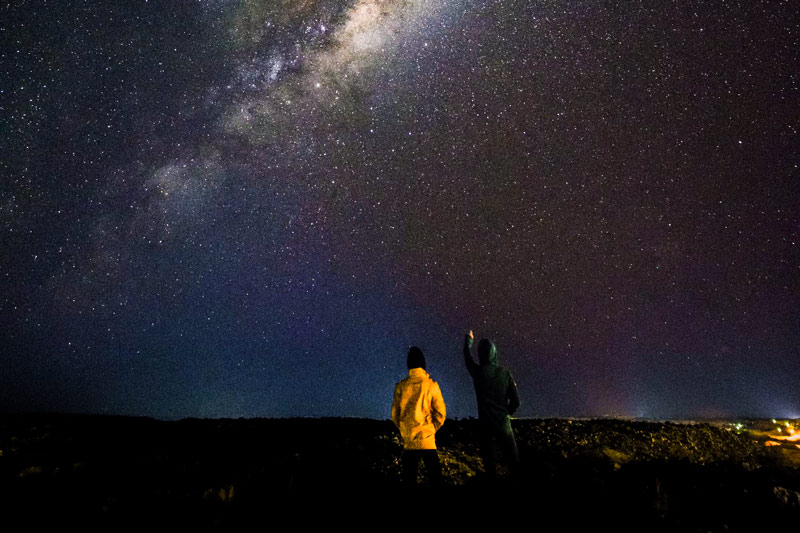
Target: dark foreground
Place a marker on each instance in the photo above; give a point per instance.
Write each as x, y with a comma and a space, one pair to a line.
642, 476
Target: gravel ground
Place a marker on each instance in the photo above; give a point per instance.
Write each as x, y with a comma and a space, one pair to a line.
653, 476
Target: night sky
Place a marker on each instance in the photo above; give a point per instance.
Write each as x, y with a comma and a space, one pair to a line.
254, 208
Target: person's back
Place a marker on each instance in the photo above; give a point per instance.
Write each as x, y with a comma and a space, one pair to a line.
418, 411
497, 398
495, 389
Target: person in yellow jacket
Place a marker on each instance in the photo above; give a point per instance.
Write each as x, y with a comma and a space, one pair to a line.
418, 411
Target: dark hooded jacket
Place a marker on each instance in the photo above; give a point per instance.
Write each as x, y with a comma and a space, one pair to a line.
494, 387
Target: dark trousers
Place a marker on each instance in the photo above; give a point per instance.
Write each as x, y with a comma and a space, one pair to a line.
433, 467
502, 437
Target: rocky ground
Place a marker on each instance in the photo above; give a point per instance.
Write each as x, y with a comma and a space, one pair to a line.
644, 476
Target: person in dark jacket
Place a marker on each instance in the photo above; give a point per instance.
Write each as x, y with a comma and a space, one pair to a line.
497, 398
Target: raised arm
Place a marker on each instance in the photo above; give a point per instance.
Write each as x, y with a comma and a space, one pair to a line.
471, 366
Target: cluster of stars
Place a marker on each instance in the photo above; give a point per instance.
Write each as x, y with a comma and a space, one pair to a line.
225, 203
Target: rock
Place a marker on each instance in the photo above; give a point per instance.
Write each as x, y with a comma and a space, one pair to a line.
787, 497
617, 457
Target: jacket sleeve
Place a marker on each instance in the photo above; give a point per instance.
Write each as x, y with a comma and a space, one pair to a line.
471, 366
396, 406
438, 409
512, 396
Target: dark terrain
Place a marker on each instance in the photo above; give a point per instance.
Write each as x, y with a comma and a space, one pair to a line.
647, 476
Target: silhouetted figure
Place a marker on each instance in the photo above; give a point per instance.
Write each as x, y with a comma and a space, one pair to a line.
497, 400
418, 411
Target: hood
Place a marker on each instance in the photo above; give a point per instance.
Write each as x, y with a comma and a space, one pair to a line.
417, 373
487, 352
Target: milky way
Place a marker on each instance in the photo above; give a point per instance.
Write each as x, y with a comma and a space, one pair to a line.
254, 208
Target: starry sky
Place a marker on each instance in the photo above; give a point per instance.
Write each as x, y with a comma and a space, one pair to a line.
232, 208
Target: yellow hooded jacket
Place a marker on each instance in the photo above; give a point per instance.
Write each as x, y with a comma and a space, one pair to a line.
418, 410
